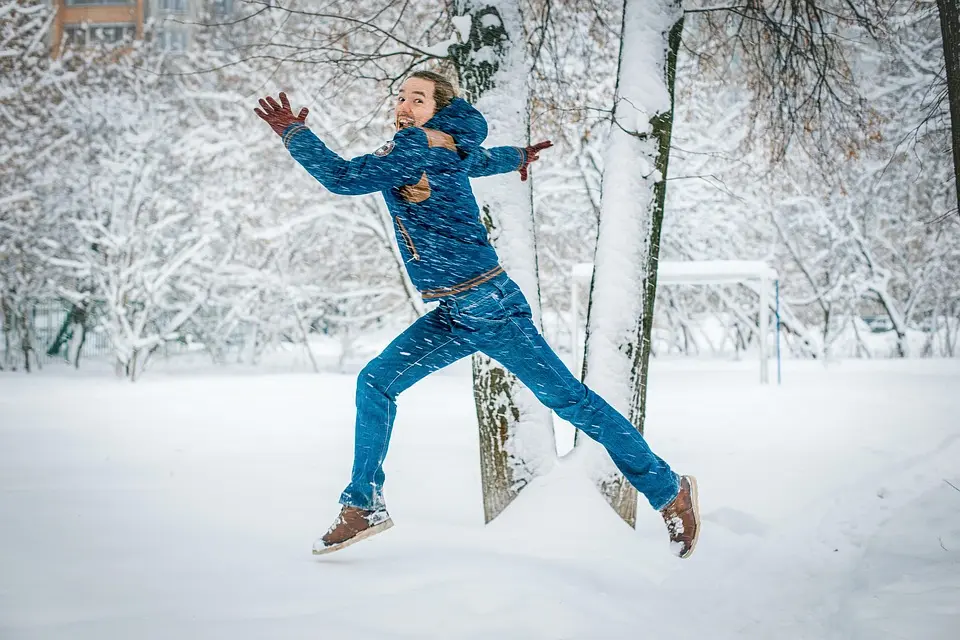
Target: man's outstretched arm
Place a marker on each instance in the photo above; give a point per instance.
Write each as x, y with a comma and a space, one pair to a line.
488, 162
397, 163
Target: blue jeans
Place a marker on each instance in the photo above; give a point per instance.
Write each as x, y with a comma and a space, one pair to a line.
493, 318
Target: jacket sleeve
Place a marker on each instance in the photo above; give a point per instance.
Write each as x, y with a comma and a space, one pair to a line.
488, 162
398, 162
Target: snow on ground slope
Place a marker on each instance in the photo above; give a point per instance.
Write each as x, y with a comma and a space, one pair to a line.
184, 506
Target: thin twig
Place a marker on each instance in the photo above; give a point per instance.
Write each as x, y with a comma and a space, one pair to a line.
942, 216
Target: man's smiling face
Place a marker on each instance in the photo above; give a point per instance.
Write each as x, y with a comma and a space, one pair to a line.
415, 103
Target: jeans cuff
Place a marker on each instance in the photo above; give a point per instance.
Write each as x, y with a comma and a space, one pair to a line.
673, 495
347, 499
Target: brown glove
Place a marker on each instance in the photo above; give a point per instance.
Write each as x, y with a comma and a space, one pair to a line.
280, 116
532, 155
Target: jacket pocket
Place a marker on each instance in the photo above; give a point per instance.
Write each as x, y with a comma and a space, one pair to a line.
416, 193
407, 240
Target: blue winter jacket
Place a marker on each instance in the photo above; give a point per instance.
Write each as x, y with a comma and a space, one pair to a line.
424, 175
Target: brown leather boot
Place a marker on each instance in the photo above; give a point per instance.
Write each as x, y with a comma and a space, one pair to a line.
352, 525
682, 517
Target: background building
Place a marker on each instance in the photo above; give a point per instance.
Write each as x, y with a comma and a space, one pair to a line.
89, 22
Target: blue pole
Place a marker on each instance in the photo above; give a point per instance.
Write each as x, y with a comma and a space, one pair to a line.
776, 284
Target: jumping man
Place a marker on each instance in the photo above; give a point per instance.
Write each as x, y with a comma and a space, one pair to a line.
424, 176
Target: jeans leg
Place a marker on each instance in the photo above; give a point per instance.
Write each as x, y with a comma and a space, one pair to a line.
519, 347
426, 346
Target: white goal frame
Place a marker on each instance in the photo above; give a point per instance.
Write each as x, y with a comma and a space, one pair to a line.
695, 272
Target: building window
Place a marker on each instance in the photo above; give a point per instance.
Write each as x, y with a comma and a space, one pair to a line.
222, 8
83, 35
172, 6
87, 3
173, 40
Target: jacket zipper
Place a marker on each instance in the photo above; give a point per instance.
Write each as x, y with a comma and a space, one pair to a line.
407, 239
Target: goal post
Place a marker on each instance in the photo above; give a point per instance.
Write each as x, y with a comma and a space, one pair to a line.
707, 272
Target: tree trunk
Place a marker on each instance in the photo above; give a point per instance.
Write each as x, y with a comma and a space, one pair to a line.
516, 434
75, 347
27, 340
6, 312
950, 26
623, 290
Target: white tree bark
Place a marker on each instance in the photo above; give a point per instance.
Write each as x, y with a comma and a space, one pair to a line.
516, 433
624, 279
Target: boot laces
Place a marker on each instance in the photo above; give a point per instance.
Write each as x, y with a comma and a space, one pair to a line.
674, 524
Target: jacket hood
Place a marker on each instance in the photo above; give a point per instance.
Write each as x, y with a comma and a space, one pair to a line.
459, 119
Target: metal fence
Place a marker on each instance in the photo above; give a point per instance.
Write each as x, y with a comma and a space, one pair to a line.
48, 318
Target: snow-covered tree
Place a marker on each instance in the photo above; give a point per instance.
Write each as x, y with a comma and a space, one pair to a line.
949, 12
856, 232
516, 435
624, 280
29, 138
129, 198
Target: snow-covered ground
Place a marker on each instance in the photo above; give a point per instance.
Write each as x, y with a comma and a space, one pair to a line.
185, 505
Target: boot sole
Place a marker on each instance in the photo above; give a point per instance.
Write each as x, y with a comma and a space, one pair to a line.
695, 499
363, 535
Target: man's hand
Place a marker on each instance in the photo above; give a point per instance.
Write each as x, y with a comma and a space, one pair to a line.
280, 116
533, 154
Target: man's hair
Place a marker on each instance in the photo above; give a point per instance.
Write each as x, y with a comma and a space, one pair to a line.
443, 90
